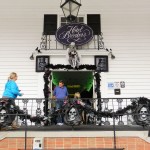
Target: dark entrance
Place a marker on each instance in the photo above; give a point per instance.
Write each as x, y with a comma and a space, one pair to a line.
75, 81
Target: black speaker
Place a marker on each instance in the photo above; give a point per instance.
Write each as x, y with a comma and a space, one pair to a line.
94, 21
50, 24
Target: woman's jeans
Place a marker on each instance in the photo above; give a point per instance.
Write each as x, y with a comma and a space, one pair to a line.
59, 104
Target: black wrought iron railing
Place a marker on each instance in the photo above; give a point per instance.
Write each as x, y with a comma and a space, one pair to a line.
49, 42
127, 111
114, 111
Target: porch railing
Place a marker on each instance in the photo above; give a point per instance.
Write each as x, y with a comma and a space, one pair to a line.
39, 106
49, 42
36, 107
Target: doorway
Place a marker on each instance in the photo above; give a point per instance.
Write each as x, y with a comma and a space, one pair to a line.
75, 81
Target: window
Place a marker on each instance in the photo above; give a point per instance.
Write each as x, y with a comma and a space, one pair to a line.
78, 20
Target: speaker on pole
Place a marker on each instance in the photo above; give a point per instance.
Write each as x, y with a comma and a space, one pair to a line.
94, 21
50, 24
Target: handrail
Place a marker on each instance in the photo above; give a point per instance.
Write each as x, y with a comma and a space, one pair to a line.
122, 107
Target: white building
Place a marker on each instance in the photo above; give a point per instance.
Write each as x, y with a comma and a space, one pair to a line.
125, 28
125, 25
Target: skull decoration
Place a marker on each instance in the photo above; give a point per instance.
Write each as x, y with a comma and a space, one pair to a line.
143, 114
72, 114
2, 115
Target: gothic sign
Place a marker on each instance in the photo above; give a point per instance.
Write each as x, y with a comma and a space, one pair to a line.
101, 63
78, 33
41, 62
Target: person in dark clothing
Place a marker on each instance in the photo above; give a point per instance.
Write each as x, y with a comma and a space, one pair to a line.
60, 94
86, 96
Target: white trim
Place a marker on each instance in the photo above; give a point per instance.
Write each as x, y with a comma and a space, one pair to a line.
81, 52
61, 134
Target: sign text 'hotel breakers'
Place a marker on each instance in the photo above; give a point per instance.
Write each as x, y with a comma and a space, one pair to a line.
79, 33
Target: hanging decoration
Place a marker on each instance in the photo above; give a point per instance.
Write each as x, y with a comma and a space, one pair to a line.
46, 90
73, 59
98, 92
68, 67
47, 78
139, 109
97, 88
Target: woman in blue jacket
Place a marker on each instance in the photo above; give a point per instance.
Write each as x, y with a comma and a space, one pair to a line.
11, 88
11, 92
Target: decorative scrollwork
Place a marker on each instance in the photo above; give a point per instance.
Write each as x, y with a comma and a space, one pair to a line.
38, 111
43, 44
119, 103
101, 43
25, 101
39, 101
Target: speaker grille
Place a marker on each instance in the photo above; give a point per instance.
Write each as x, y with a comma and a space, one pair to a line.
93, 20
50, 24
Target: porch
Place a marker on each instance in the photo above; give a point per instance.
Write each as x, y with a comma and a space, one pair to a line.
112, 133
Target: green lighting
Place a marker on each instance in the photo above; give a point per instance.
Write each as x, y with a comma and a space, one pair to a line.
75, 81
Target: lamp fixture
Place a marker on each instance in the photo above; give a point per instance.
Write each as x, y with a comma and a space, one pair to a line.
70, 9
32, 57
37, 50
110, 53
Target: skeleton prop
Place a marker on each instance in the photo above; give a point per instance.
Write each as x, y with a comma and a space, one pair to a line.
73, 59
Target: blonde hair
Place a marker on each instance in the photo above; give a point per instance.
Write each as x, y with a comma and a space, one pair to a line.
12, 76
77, 95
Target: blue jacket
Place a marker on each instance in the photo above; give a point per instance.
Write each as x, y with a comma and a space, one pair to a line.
11, 89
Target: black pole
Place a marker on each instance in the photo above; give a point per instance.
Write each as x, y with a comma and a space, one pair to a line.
114, 130
25, 132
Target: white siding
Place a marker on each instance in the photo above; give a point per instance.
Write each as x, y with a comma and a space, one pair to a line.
126, 30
